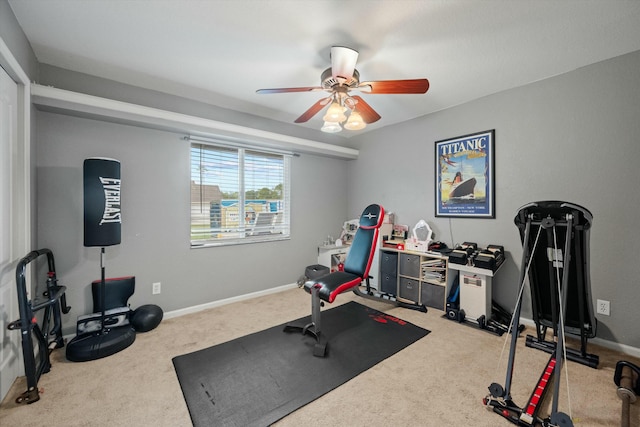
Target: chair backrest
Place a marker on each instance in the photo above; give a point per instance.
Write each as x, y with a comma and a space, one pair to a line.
264, 223
363, 246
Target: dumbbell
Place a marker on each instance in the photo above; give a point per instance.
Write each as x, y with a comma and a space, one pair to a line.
626, 378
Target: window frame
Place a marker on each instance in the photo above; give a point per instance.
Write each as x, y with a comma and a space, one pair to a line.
283, 227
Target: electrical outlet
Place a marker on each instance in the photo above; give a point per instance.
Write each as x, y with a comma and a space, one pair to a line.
156, 289
603, 307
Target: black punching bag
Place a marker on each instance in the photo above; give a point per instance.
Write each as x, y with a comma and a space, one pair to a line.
102, 215
102, 223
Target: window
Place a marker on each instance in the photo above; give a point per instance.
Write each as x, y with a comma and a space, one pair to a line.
238, 195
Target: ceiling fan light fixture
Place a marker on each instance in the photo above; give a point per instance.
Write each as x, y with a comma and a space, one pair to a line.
331, 127
338, 80
355, 121
335, 113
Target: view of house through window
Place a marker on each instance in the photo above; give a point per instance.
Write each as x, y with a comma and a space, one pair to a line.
238, 195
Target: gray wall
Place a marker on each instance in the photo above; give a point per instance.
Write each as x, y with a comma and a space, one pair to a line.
155, 229
573, 137
16, 41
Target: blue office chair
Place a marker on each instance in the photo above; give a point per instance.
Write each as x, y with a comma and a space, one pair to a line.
356, 270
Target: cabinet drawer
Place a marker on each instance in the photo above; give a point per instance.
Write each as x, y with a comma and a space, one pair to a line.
409, 289
432, 296
389, 263
410, 265
389, 284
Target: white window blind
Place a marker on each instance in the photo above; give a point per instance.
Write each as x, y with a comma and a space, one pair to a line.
238, 195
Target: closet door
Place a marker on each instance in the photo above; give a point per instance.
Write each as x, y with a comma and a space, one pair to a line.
10, 357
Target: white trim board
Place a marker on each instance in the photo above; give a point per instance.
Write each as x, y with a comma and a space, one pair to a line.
213, 304
82, 105
626, 349
623, 348
20, 205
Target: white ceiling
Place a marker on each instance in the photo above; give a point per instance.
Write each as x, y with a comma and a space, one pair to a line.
221, 51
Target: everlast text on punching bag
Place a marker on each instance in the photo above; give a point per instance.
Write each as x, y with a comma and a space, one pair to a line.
102, 223
102, 209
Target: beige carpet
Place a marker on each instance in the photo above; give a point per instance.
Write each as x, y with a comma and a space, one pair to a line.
438, 381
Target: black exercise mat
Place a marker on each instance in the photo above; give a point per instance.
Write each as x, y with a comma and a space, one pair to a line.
258, 379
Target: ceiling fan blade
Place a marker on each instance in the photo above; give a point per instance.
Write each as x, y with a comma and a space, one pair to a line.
313, 110
368, 114
290, 89
343, 62
395, 86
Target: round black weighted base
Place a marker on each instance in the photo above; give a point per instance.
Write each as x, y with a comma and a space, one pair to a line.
496, 390
146, 317
98, 345
561, 419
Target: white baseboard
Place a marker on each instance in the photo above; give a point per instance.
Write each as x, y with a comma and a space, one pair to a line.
200, 307
196, 308
623, 348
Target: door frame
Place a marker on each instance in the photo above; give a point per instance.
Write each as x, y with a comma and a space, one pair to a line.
21, 215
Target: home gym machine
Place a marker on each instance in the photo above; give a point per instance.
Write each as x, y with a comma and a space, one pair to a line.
579, 316
544, 275
45, 333
555, 259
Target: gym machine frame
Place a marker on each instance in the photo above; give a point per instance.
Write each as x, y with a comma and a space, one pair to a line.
499, 399
48, 337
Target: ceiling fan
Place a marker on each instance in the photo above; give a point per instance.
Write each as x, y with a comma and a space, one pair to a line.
339, 80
